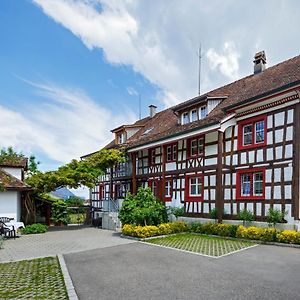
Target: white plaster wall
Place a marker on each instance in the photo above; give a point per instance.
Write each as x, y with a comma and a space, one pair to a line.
16, 172
10, 205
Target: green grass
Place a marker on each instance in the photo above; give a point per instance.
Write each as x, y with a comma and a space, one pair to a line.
32, 279
202, 244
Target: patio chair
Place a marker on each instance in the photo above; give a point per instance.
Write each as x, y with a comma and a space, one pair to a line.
6, 219
7, 231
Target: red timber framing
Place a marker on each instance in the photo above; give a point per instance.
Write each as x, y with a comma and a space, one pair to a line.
170, 152
156, 187
248, 129
250, 173
296, 164
219, 171
197, 180
195, 146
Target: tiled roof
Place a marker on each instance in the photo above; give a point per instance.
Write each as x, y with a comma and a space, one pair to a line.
272, 78
16, 162
10, 182
165, 123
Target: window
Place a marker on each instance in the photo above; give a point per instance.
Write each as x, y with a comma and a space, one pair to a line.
152, 156
194, 187
203, 112
250, 184
195, 146
252, 133
194, 116
121, 138
259, 132
154, 185
168, 190
101, 191
185, 118
171, 152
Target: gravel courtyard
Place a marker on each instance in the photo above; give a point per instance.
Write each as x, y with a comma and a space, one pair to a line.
142, 271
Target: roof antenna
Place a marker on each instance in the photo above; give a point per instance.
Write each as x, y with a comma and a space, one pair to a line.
140, 106
199, 54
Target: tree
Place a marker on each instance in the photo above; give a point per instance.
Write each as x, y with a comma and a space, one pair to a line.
76, 173
142, 209
73, 175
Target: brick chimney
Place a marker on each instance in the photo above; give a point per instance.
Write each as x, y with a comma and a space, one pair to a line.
152, 110
259, 62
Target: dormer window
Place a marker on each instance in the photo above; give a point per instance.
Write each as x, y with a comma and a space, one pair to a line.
121, 138
185, 118
203, 112
194, 116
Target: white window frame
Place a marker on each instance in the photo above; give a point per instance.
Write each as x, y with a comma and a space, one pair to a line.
198, 185
191, 117
186, 113
201, 109
248, 182
168, 188
248, 133
263, 132
258, 181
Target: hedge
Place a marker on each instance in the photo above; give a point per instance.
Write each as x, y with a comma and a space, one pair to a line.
148, 231
34, 228
226, 230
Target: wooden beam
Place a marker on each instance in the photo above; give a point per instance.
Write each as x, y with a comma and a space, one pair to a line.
296, 150
133, 158
219, 189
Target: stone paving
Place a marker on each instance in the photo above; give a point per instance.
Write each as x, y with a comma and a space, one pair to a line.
59, 242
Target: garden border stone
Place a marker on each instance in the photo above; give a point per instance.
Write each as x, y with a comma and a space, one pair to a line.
68, 281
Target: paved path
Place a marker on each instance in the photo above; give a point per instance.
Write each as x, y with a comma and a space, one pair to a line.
140, 271
59, 242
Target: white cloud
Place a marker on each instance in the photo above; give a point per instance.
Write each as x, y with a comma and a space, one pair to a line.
227, 62
159, 39
66, 124
132, 91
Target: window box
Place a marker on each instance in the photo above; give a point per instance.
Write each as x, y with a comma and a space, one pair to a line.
250, 184
194, 188
171, 152
195, 147
252, 133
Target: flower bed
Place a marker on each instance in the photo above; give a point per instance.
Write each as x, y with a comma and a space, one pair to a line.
226, 230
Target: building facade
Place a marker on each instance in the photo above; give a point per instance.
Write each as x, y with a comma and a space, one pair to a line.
234, 148
13, 189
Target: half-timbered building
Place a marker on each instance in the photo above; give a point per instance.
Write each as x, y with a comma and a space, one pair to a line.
233, 148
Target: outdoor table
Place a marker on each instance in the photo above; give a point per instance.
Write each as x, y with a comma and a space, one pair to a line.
15, 225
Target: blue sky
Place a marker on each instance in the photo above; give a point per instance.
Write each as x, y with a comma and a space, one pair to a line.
71, 69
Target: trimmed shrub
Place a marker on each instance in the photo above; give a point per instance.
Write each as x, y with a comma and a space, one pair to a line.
289, 237
195, 227
178, 226
256, 233
148, 231
34, 228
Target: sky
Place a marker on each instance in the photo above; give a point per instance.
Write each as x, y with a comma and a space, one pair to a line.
72, 70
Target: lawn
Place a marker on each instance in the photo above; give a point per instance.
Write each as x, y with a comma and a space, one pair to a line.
32, 279
206, 245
